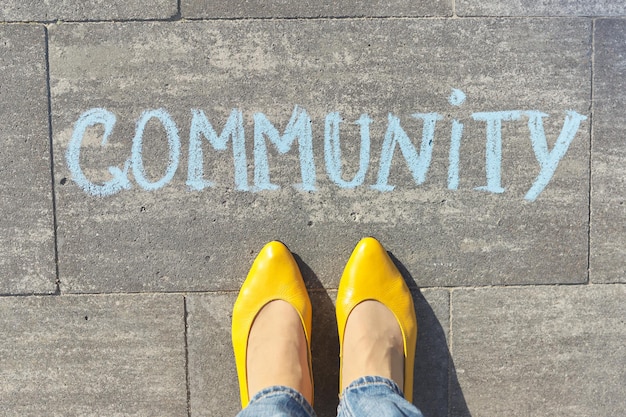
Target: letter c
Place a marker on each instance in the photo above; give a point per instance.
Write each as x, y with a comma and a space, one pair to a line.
119, 181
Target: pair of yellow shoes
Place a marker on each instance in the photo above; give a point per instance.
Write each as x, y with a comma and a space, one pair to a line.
369, 275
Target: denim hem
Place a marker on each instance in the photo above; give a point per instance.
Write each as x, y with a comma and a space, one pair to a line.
373, 380
281, 390
375, 396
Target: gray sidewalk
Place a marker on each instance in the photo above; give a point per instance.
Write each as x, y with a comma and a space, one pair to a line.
152, 148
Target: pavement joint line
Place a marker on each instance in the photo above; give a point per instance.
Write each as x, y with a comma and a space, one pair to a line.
450, 290
591, 114
544, 17
598, 284
450, 351
211, 19
8, 295
179, 8
450, 315
108, 294
50, 144
312, 290
175, 19
187, 379
91, 21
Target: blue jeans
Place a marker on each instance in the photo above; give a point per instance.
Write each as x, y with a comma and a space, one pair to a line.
367, 396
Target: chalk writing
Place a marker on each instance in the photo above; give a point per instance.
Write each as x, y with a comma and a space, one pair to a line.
418, 162
456, 99
332, 150
299, 128
494, 146
200, 126
549, 160
173, 142
120, 177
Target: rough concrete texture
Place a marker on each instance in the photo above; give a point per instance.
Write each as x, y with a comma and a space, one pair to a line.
50, 10
540, 8
175, 239
213, 376
92, 355
549, 351
212, 371
608, 194
324, 8
26, 224
500, 335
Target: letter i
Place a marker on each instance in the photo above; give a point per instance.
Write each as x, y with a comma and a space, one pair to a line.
456, 99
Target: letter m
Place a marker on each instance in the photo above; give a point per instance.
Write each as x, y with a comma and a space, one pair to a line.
299, 127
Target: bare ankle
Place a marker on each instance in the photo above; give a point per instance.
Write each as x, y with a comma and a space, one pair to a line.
277, 351
372, 344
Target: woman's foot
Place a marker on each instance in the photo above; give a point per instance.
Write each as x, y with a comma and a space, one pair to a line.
277, 351
372, 344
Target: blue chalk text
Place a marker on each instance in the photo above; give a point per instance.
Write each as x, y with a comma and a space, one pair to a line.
299, 128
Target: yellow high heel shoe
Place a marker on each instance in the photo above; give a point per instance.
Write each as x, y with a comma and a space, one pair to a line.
371, 275
274, 275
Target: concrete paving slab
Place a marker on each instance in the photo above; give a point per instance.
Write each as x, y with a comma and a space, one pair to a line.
213, 385
541, 351
93, 355
51, 10
540, 8
213, 376
151, 233
608, 177
432, 357
323, 8
26, 227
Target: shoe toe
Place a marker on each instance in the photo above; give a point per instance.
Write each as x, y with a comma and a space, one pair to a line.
274, 275
370, 274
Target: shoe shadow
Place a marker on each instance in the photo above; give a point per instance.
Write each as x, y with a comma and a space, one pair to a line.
436, 389
324, 343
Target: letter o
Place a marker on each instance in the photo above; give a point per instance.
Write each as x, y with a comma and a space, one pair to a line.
173, 142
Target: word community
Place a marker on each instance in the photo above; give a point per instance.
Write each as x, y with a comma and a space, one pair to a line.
299, 128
